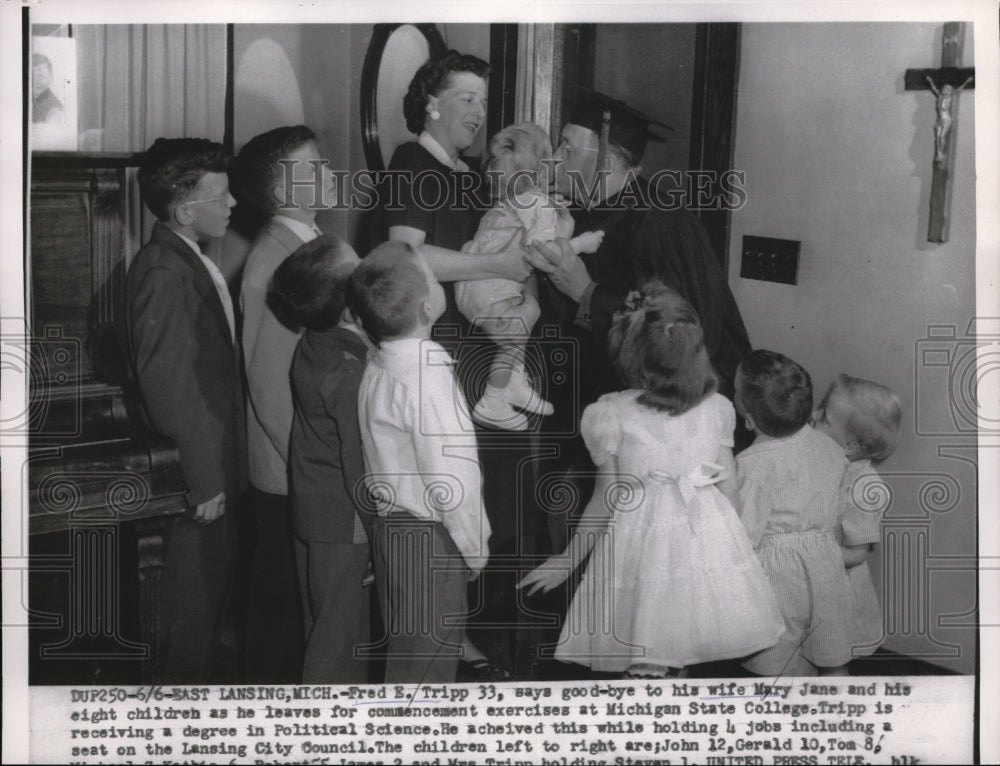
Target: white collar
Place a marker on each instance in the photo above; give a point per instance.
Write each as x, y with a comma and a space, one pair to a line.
410, 351
431, 144
304, 231
215, 273
193, 245
399, 346
356, 329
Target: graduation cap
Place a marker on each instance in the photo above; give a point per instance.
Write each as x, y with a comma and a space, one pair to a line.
615, 122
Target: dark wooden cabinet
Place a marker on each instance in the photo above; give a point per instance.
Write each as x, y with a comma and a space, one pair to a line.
98, 482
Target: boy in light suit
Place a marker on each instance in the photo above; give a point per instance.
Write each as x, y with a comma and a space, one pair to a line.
274, 174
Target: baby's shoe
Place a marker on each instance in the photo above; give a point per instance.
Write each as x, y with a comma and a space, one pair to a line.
648, 670
520, 394
494, 411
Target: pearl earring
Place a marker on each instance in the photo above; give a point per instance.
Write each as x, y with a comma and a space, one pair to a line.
435, 114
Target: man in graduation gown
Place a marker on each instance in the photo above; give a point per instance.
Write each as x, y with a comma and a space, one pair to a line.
647, 236
644, 239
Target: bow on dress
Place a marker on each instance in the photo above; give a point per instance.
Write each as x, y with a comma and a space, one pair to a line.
705, 475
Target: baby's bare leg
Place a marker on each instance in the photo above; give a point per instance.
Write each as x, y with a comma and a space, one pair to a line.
508, 385
509, 325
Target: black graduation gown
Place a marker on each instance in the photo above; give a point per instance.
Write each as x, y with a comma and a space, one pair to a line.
643, 242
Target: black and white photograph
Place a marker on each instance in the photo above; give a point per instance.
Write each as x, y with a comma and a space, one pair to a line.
613, 384
53, 91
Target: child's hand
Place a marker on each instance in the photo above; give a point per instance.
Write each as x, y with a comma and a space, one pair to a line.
588, 242
855, 555
549, 575
210, 510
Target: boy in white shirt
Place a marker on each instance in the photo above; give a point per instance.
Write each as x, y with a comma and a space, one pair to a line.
430, 535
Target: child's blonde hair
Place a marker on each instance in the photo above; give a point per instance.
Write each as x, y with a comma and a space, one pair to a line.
508, 139
385, 290
876, 414
510, 136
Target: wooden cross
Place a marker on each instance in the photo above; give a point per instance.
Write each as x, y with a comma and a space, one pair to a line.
945, 83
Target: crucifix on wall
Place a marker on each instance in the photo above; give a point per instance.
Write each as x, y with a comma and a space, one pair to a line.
945, 83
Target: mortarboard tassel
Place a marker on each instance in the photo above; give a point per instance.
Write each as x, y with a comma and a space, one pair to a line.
601, 152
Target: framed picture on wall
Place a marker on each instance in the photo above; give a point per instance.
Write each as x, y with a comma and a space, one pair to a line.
53, 93
394, 55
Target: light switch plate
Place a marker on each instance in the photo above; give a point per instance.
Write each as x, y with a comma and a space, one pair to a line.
770, 259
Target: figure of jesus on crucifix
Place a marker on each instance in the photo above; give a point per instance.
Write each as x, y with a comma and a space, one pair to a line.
941, 82
944, 118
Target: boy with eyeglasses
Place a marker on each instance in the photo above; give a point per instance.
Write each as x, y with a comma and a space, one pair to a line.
185, 360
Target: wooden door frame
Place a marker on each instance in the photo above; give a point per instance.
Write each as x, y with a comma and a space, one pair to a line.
713, 108
713, 118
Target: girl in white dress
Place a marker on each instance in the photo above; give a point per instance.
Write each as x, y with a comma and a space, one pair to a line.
672, 579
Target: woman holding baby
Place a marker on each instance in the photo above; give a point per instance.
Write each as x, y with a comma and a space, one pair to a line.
446, 107
433, 201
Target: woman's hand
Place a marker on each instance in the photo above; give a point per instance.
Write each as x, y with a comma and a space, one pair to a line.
511, 261
549, 575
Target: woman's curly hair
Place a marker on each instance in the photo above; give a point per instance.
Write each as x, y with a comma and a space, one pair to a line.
431, 79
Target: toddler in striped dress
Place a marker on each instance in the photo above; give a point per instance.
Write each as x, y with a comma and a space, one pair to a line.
790, 502
863, 417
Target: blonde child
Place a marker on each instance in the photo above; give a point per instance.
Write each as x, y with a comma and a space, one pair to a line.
790, 502
863, 417
502, 308
430, 535
673, 580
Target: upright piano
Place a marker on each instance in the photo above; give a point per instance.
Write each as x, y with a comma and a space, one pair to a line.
99, 485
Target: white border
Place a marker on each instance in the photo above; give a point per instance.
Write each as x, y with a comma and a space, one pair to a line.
983, 14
